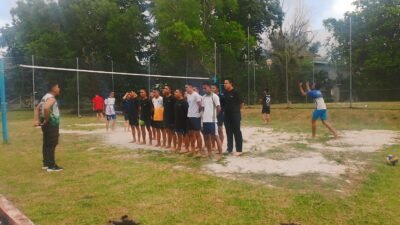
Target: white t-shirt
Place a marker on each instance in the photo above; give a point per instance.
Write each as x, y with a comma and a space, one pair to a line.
110, 102
318, 98
210, 103
194, 109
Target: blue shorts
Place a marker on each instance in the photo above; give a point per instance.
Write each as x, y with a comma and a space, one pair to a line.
111, 117
194, 123
209, 129
320, 114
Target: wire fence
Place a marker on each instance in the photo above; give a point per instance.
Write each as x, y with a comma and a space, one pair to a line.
27, 78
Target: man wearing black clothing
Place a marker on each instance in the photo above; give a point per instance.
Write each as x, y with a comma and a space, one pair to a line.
266, 109
233, 103
146, 112
133, 115
169, 117
181, 120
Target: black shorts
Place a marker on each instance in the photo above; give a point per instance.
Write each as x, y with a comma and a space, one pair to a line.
145, 122
169, 125
194, 124
220, 119
126, 116
181, 130
266, 110
134, 122
158, 124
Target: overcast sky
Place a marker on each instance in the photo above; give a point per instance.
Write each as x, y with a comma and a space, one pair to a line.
318, 10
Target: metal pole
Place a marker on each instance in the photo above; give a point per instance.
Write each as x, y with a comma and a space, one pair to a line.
287, 77
248, 65
148, 86
33, 86
351, 76
215, 61
254, 80
313, 70
112, 74
3, 103
77, 85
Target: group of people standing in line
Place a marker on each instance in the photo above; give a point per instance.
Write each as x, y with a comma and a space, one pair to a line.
179, 119
175, 119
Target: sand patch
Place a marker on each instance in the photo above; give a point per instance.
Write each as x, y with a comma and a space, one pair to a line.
312, 163
293, 154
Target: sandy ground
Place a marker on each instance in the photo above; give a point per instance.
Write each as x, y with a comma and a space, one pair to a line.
297, 153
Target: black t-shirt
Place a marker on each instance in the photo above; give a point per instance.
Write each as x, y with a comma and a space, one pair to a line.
232, 101
146, 109
169, 103
222, 101
266, 101
132, 108
180, 110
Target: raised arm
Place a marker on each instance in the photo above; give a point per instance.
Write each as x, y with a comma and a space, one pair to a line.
308, 86
303, 93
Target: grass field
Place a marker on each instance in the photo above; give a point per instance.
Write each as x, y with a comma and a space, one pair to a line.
102, 182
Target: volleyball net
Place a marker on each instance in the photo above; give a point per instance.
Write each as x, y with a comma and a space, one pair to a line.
80, 81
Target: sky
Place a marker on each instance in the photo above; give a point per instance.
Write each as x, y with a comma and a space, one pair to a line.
318, 10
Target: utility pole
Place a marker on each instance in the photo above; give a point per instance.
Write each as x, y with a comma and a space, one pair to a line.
248, 59
351, 73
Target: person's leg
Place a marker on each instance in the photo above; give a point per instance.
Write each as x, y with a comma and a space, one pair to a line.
180, 139
138, 133
107, 123
192, 141
238, 135
221, 134
264, 116
207, 142
113, 124
268, 118
199, 141
186, 140
164, 137
45, 147
143, 129
149, 130
331, 129
229, 133
158, 132
53, 142
314, 128
133, 134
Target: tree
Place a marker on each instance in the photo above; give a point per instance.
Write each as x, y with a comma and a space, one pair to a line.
375, 43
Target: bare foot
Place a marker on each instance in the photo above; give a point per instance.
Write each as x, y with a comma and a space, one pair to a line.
218, 157
237, 154
183, 151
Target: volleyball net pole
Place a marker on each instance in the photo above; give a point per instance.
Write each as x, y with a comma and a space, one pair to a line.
3, 102
112, 73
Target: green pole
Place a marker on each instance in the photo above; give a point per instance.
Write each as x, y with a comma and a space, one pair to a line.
3, 102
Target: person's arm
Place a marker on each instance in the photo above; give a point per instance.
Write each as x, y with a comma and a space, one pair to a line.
240, 100
303, 93
37, 115
49, 103
308, 86
125, 96
217, 103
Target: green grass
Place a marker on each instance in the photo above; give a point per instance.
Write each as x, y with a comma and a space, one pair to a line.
101, 182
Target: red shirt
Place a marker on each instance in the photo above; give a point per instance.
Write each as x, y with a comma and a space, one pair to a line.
98, 103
